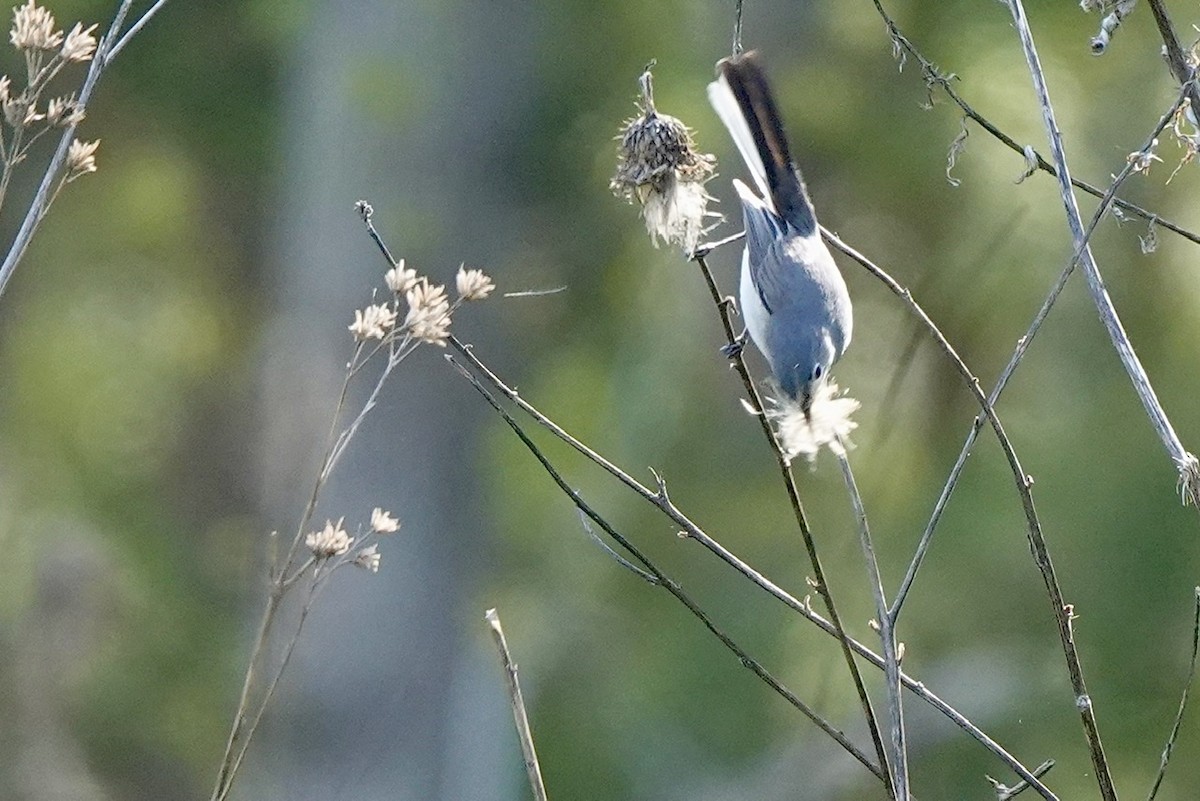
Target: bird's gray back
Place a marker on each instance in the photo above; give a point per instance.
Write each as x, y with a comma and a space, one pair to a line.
802, 288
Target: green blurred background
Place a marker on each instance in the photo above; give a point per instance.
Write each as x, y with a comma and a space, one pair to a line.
171, 346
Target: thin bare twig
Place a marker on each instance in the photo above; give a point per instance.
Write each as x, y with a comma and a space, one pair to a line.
1176, 59
661, 501
887, 636
1024, 484
1018, 354
1185, 462
135, 28
224, 774
660, 578
933, 77
724, 305
1109, 25
1187, 686
608, 549
532, 768
50, 180
1006, 793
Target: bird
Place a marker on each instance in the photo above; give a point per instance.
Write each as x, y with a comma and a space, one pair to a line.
792, 296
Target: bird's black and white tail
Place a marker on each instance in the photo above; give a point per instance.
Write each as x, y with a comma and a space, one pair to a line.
742, 99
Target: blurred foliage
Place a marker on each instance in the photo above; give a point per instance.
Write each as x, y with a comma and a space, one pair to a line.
126, 414
122, 349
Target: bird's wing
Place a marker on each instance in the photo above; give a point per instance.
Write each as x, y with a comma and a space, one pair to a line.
764, 230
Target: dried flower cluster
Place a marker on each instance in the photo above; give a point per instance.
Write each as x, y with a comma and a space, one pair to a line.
329, 541
428, 317
427, 307
473, 284
659, 167
33, 31
81, 158
47, 50
373, 322
382, 522
334, 541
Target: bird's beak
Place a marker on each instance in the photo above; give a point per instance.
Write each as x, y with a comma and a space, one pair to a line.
806, 402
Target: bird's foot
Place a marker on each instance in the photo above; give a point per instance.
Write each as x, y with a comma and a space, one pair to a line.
732, 350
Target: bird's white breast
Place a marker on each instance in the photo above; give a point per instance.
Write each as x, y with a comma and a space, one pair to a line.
754, 313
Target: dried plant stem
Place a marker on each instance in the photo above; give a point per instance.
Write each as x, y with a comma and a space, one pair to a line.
532, 768
1176, 58
1184, 461
1024, 483
659, 579
1018, 354
50, 180
225, 773
724, 306
933, 77
232, 763
737, 28
1006, 793
1191, 677
662, 501
285, 572
135, 28
887, 635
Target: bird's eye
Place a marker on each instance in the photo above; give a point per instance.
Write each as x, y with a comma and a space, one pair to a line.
818, 371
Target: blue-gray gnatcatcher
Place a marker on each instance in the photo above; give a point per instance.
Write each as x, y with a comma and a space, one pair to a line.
793, 298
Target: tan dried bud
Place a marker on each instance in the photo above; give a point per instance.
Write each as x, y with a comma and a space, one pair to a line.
428, 317
372, 322
659, 167
64, 112
19, 112
81, 158
329, 541
399, 280
368, 558
33, 28
80, 45
473, 284
382, 522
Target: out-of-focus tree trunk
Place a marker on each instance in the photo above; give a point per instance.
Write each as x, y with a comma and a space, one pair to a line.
393, 693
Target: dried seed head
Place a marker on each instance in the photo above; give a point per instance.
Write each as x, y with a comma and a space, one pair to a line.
329, 541
81, 158
64, 112
79, 45
400, 280
19, 112
382, 522
659, 167
473, 284
373, 322
33, 28
368, 558
428, 317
